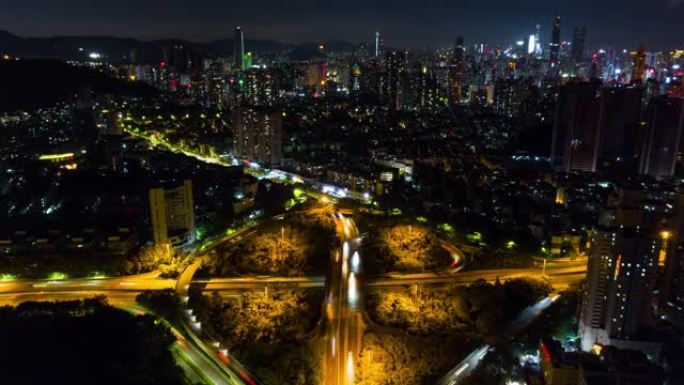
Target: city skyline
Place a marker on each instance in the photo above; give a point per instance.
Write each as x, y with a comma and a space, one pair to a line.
433, 24
505, 206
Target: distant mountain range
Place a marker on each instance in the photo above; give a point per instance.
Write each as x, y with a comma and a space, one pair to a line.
117, 49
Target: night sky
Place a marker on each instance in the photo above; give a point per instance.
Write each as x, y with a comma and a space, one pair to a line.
411, 23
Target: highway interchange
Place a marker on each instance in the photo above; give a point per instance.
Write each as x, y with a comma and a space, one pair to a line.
203, 358
343, 326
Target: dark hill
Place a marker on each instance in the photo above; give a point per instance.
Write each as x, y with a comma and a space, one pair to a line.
30, 84
117, 50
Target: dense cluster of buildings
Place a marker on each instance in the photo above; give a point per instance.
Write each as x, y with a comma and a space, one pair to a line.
444, 133
599, 128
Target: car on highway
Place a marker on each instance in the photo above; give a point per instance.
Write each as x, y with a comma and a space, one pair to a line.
223, 357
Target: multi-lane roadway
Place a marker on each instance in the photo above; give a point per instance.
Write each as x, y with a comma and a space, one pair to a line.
12, 292
343, 307
470, 363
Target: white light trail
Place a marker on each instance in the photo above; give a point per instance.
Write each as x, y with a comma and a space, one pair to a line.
461, 369
345, 251
356, 262
350, 368
352, 294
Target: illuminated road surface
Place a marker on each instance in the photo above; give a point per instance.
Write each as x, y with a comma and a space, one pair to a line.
560, 277
202, 363
343, 307
470, 363
227, 367
528, 315
134, 283
274, 175
465, 367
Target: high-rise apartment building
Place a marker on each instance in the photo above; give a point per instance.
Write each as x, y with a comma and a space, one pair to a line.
576, 133
671, 290
172, 214
456, 72
579, 38
621, 275
620, 114
595, 123
257, 135
554, 48
427, 91
513, 96
395, 68
639, 66
664, 122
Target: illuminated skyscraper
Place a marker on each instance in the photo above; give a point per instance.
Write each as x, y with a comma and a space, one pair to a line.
427, 88
671, 289
172, 214
239, 49
576, 130
378, 44
532, 45
395, 68
257, 87
513, 96
257, 135
639, 67
664, 121
371, 80
554, 48
621, 275
355, 78
456, 74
